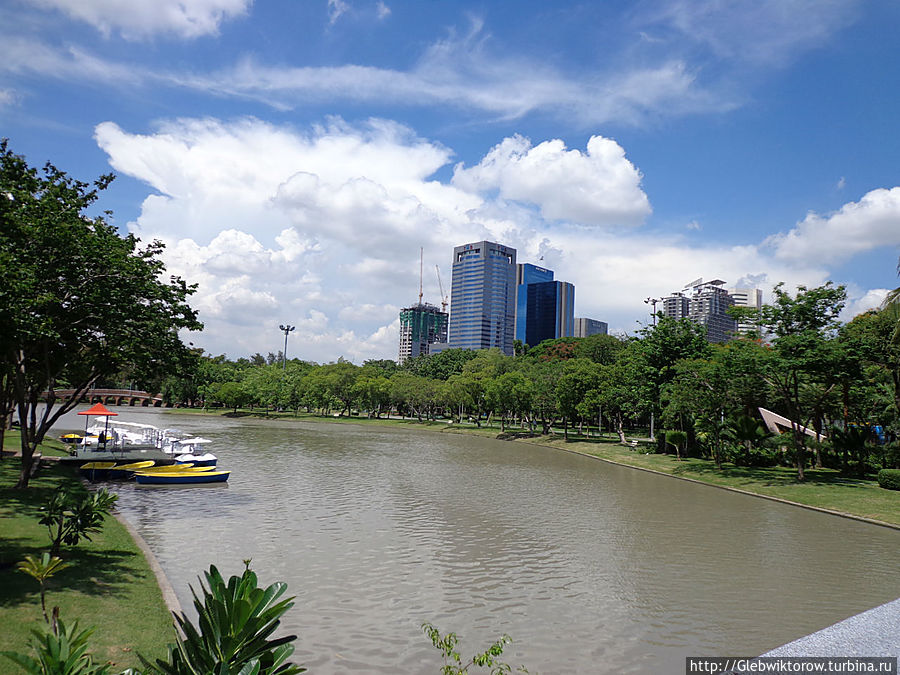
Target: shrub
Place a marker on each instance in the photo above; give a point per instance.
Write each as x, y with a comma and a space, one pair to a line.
62, 651
70, 516
235, 621
889, 479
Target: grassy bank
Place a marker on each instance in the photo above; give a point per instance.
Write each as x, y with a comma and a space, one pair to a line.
823, 488
109, 584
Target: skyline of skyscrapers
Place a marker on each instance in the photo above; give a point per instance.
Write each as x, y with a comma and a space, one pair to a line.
494, 301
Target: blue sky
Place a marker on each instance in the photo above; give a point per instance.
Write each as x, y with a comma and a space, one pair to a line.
295, 156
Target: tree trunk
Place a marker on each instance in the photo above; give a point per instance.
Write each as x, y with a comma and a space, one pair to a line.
28, 466
620, 430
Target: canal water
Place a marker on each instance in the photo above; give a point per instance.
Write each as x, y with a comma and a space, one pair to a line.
589, 567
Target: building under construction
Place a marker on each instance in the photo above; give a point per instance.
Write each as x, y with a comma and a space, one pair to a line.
421, 325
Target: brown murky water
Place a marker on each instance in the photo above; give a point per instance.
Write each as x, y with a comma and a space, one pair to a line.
591, 568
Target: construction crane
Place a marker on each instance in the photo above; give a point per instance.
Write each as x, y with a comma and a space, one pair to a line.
421, 257
441, 286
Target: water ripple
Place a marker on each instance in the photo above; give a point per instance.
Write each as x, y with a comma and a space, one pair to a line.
590, 568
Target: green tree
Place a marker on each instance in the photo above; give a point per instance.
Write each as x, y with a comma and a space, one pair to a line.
78, 303
600, 348
623, 388
659, 350
230, 394
440, 366
509, 394
805, 362
579, 378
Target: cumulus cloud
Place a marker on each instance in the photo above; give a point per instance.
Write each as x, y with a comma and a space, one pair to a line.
274, 224
862, 301
872, 222
597, 187
321, 228
137, 19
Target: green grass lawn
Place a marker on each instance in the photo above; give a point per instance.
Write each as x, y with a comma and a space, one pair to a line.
109, 584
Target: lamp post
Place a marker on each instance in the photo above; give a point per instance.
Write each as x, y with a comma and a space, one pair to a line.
287, 329
652, 301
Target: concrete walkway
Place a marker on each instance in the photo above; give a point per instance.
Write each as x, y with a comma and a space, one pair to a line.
875, 632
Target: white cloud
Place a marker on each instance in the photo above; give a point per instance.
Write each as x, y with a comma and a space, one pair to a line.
862, 301
8, 97
137, 19
598, 187
872, 222
456, 71
321, 229
756, 31
335, 9
382, 10
274, 224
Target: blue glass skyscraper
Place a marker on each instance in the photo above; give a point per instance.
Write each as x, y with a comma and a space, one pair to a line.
550, 311
483, 296
545, 309
526, 274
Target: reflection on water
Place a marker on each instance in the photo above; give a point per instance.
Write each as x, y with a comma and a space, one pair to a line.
591, 568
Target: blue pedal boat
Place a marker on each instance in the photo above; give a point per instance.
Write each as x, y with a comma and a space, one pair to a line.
181, 477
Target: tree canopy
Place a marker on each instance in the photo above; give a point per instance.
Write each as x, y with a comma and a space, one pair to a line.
78, 302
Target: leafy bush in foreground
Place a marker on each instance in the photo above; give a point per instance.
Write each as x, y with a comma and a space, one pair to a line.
889, 478
235, 622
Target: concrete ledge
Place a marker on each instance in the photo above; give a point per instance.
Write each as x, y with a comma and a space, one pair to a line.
168, 593
872, 633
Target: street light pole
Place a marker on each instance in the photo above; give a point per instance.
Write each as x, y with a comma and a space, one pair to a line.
652, 301
287, 329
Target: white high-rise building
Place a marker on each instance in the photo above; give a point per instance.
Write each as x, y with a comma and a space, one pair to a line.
746, 297
704, 303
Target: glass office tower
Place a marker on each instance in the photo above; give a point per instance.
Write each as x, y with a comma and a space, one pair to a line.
526, 274
483, 296
550, 311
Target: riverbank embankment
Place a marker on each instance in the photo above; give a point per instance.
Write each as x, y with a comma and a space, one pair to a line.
110, 582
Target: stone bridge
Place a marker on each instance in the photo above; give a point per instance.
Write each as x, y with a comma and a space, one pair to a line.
130, 397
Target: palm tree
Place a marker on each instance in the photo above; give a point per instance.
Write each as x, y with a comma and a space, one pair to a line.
748, 432
891, 305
